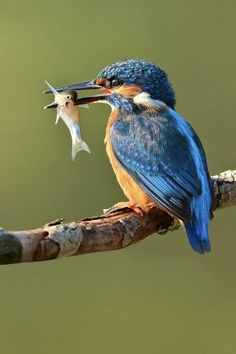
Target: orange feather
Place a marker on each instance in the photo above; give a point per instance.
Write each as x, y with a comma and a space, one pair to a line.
130, 188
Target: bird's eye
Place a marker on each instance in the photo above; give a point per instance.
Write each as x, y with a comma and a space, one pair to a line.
68, 97
115, 82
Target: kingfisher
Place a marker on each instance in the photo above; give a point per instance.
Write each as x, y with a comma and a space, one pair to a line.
155, 153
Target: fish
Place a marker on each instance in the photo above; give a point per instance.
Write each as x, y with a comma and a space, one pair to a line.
64, 102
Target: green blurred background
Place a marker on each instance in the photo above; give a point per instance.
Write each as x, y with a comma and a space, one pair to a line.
157, 296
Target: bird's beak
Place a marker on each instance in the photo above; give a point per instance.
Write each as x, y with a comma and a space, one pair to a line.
85, 85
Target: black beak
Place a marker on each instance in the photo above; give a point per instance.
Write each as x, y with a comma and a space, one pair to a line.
86, 85
80, 101
90, 99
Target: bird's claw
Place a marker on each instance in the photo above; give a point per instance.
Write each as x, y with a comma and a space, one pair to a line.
122, 206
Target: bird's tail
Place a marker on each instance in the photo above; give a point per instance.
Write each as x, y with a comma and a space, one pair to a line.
198, 236
197, 226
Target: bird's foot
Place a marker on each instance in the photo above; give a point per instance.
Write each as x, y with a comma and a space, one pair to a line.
119, 207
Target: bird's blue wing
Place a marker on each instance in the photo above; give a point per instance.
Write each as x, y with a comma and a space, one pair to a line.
154, 149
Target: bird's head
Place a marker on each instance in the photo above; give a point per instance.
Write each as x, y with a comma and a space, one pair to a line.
140, 82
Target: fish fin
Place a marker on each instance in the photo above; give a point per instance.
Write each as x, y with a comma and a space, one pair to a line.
58, 116
54, 91
77, 146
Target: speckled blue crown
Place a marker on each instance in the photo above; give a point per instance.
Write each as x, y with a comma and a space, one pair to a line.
144, 74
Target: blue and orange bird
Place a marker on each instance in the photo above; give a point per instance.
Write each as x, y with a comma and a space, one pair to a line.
155, 154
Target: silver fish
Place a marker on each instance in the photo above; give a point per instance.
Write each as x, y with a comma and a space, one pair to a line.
68, 112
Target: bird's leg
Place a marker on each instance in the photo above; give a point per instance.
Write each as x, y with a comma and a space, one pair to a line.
125, 205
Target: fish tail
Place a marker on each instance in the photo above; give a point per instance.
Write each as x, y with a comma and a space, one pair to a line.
77, 146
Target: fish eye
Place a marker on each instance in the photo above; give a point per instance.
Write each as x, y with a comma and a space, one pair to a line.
115, 82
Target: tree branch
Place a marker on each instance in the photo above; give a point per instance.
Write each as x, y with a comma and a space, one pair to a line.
103, 233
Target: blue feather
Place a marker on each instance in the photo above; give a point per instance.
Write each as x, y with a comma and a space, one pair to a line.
165, 157
200, 206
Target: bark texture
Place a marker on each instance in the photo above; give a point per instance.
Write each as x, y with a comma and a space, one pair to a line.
115, 230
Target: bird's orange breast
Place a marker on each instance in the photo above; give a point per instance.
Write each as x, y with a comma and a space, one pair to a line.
130, 188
